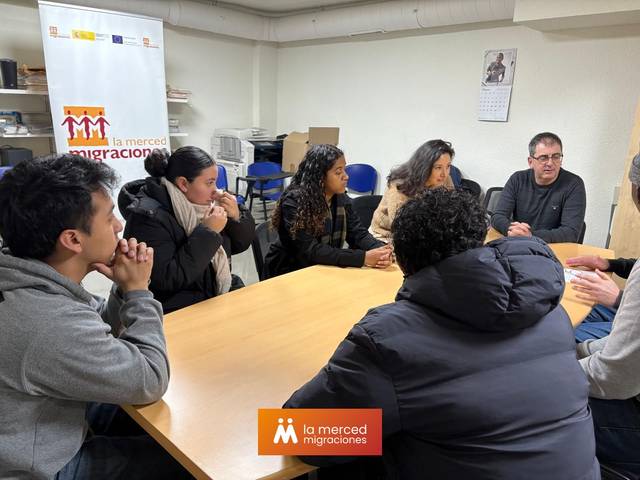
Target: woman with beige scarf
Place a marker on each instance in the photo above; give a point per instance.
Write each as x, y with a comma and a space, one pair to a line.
193, 227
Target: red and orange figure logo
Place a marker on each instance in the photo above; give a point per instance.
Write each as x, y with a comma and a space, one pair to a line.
86, 126
309, 431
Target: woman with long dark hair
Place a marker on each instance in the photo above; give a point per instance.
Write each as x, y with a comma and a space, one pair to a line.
427, 168
314, 218
193, 228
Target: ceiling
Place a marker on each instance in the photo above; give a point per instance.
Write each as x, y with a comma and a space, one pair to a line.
285, 7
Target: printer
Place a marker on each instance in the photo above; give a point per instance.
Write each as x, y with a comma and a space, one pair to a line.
237, 148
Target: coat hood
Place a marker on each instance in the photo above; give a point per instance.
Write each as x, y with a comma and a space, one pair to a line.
508, 284
19, 273
146, 194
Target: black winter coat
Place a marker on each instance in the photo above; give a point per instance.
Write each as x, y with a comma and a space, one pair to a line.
182, 272
475, 368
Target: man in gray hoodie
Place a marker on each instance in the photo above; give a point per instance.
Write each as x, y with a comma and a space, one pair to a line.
611, 364
66, 357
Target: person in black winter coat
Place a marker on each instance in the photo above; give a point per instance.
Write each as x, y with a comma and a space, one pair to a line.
192, 227
473, 365
314, 218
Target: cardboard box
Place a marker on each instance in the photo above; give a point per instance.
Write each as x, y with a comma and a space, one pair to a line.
297, 143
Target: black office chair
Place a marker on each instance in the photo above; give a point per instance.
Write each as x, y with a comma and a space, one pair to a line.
491, 199
264, 237
583, 230
472, 187
609, 473
364, 207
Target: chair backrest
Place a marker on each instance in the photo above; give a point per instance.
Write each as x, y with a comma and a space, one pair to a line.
260, 245
3, 170
470, 186
221, 181
456, 176
362, 178
583, 230
491, 199
265, 168
364, 207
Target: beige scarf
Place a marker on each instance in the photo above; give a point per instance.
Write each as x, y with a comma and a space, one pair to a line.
189, 215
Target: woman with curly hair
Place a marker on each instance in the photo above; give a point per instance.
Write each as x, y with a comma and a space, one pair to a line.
427, 168
314, 218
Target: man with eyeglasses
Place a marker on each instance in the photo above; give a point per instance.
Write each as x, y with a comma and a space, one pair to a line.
545, 200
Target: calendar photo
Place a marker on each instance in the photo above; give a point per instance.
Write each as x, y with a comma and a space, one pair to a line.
496, 82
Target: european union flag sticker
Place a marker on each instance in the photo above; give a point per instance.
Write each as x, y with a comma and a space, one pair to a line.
116, 39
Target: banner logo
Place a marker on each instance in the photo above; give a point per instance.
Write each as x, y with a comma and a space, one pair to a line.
83, 35
86, 126
116, 39
53, 31
318, 431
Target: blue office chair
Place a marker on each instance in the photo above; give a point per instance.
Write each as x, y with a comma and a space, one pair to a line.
456, 176
362, 178
4, 170
269, 191
223, 183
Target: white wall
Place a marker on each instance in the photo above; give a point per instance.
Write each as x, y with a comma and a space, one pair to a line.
390, 95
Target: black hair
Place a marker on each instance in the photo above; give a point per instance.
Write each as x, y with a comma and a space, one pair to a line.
42, 197
308, 182
547, 138
437, 224
412, 175
186, 162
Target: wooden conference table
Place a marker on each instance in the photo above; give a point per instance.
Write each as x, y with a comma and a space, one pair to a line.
252, 348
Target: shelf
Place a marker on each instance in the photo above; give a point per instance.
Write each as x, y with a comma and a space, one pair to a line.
179, 134
28, 135
177, 100
14, 91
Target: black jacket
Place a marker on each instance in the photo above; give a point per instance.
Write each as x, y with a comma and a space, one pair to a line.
622, 266
288, 254
474, 366
182, 272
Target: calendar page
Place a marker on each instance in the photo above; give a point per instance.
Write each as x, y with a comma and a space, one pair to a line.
496, 83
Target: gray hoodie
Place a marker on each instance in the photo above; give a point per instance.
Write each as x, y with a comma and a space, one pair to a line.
611, 363
61, 347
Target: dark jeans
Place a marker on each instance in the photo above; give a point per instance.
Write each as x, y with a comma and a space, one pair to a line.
617, 429
596, 325
118, 448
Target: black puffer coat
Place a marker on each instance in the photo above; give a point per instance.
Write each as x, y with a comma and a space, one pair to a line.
182, 273
474, 366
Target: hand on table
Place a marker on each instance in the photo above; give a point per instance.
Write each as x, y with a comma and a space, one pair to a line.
592, 262
519, 229
598, 288
380, 257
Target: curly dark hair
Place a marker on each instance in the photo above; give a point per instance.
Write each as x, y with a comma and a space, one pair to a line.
308, 184
437, 224
413, 174
42, 197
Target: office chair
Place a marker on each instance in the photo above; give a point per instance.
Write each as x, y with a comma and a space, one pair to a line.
364, 207
491, 199
362, 178
583, 230
609, 473
470, 186
264, 237
267, 191
222, 183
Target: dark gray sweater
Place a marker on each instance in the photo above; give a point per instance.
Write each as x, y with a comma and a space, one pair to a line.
555, 212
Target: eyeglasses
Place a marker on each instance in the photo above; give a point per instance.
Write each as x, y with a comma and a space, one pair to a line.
555, 158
